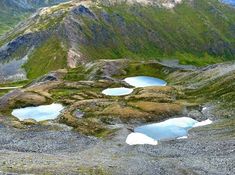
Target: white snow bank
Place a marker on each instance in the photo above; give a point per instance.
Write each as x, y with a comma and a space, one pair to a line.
139, 139
202, 123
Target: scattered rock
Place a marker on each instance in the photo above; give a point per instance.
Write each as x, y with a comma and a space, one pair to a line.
17, 124
29, 122
197, 115
78, 113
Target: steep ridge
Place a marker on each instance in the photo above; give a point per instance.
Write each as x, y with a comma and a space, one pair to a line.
195, 32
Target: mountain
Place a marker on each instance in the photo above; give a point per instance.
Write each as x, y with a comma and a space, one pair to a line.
197, 32
13, 11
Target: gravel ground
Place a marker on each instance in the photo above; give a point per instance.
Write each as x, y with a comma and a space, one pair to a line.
67, 152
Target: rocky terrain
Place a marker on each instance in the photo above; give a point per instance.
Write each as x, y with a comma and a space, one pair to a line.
92, 141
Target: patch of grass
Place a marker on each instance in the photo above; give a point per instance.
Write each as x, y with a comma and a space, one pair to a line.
190, 59
3, 92
146, 69
13, 84
92, 171
76, 74
51, 55
60, 94
8, 21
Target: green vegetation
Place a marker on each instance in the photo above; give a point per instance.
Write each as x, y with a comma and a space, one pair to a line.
9, 19
76, 74
51, 55
147, 69
3, 92
199, 34
62, 93
14, 84
13, 12
221, 89
187, 33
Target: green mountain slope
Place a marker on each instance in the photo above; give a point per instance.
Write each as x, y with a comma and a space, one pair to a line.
198, 32
14, 11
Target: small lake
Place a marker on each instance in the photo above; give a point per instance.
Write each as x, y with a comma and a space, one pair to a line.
39, 113
144, 81
117, 91
167, 130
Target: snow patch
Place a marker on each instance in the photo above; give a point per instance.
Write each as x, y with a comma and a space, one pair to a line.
202, 123
183, 137
140, 139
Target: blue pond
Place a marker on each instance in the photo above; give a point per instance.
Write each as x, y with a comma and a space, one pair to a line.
144, 81
117, 91
169, 129
39, 113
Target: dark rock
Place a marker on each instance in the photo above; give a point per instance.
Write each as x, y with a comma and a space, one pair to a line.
78, 113
197, 115
82, 10
49, 77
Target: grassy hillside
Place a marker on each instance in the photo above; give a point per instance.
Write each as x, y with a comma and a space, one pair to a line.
199, 33
39, 64
12, 12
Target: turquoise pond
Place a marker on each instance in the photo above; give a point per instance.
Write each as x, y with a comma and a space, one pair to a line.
175, 128
117, 91
144, 81
38, 113
138, 81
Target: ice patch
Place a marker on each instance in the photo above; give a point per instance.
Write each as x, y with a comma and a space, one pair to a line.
140, 139
39, 113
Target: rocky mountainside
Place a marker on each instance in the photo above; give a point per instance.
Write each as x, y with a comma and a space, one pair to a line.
13, 11
196, 32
